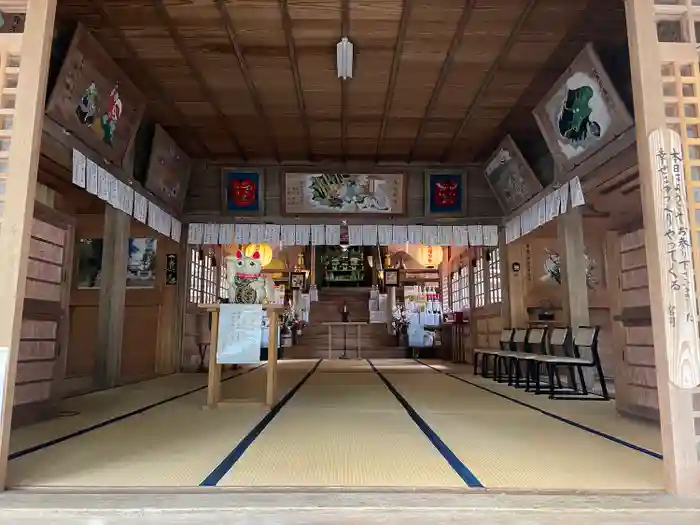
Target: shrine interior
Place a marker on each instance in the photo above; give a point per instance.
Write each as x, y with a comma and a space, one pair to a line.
362, 244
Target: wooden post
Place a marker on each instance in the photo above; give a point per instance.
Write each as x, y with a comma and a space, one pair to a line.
115, 257
678, 432
505, 279
313, 289
30, 50
390, 305
271, 391
214, 377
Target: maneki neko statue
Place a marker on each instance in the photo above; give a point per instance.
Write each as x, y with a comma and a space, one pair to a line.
246, 283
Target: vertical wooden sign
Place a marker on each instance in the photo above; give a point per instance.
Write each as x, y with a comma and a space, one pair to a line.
676, 259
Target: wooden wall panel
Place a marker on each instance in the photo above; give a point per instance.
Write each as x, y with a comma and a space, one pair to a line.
204, 194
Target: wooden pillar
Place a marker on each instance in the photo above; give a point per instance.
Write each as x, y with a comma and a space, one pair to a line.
679, 404
29, 52
313, 289
505, 279
115, 257
473, 341
390, 305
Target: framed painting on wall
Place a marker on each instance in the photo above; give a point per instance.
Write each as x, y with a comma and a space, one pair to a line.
343, 193
582, 112
242, 191
140, 267
95, 100
168, 170
445, 193
512, 180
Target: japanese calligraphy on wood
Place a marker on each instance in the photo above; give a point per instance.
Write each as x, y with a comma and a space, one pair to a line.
676, 263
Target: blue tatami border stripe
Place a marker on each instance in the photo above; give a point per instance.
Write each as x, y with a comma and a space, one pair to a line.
229, 461
116, 419
460, 468
561, 419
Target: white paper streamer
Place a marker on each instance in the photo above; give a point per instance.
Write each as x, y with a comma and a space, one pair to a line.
415, 235
211, 234
370, 232
91, 177
175, 229
272, 234
113, 191
195, 233
302, 232
460, 236
476, 235
103, 184
385, 234
541, 212
400, 235
430, 235
318, 234
552, 205
355, 235
445, 235
242, 233
287, 236
490, 232
79, 168
140, 208
226, 233
257, 234
332, 234
564, 197
577, 198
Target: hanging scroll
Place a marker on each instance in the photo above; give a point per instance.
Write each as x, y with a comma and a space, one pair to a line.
79, 163
175, 229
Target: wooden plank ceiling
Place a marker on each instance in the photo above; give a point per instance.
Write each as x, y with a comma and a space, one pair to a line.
434, 80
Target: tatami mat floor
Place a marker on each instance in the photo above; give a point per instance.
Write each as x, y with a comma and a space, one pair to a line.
404, 425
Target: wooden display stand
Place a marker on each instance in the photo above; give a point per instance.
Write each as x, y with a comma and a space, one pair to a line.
214, 382
356, 324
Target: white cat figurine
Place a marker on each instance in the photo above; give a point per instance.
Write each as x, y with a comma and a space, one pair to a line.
246, 284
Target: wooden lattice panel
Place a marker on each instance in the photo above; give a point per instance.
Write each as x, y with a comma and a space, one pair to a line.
10, 45
678, 33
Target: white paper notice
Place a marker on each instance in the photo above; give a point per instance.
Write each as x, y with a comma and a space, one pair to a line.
577, 198
370, 233
355, 235
401, 234
91, 176
301, 234
385, 234
272, 234
476, 235
287, 235
430, 235
318, 234
490, 232
175, 229
226, 232
257, 233
211, 234
140, 208
415, 235
195, 233
332, 234
564, 197
240, 334
103, 184
242, 233
445, 235
460, 236
113, 191
78, 168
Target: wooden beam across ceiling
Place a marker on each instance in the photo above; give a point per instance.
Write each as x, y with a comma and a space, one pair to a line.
247, 78
208, 93
395, 62
294, 62
344, 31
456, 42
138, 73
491, 73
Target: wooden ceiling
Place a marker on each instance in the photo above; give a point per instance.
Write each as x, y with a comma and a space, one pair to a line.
434, 80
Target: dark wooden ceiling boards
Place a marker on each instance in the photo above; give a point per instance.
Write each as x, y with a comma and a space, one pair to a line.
434, 80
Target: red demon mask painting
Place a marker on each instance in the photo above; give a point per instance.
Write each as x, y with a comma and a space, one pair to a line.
243, 189
445, 193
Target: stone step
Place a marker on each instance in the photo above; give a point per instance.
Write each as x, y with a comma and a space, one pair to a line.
303, 352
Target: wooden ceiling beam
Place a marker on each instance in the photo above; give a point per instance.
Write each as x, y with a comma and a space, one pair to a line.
167, 21
149, 87
243, 65
455, 44
344, 31
395, 62
490, 74
294, 62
